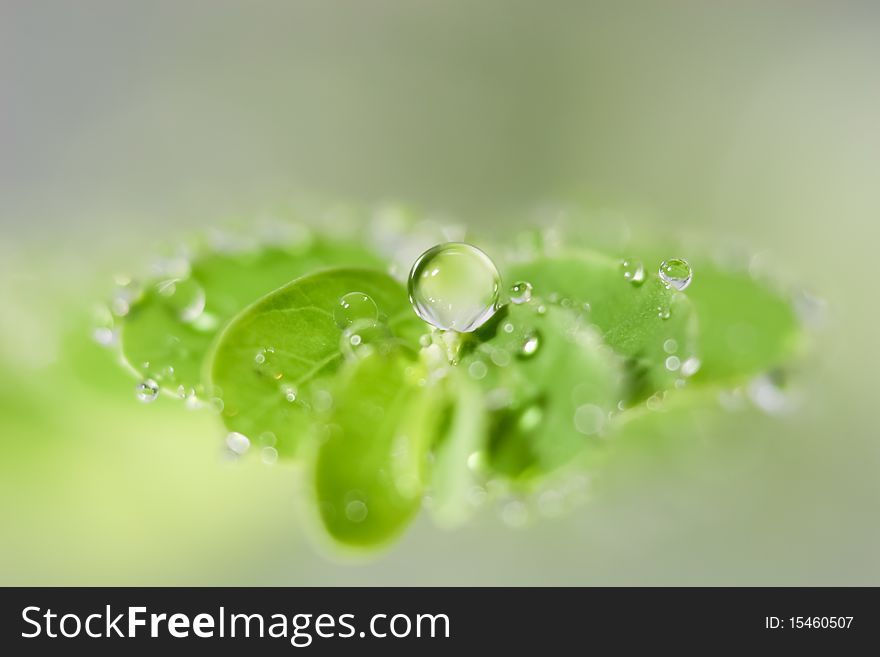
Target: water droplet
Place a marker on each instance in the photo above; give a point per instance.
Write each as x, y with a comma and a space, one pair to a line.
542, 309
521, 292
237, 443
147, 391
589, 419
362, 337
633, 270
354, 307
515, 514
673, 363
670, 346
530, 345
185, 297
676, 273
508, 328
768, 394
268, 439
663, 312
690, 366
267, 364
106, 337
478, 369
322, 401
289, 393
500, 357
655, 402
268, 455
476, 461
356, 511
530, 418
454, 286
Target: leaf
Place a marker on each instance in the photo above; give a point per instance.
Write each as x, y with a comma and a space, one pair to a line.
745, 327
552, 391
370, 468
155, 339
640, 322
265, 364
452, 478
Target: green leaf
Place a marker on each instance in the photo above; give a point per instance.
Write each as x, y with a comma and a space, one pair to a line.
745, 327
640, 322
370, 468
552, 397
464, 434
155, 339
265, 365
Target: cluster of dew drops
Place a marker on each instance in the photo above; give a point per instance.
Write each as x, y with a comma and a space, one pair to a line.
454, 287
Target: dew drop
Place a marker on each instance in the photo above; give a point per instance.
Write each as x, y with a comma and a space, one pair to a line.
633, 270
670, 346
673, 363
289, 393
356, 511
521, 292
663, 312
147, 391
515, 514
237, 443
530, 345
478, 370
354, 307
690, 366
268, 455
676, 273
185, 298
454, 286
589, 419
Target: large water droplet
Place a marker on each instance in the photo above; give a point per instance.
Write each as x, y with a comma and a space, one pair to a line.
147, 391
633, 270
185, 297
454, 286
354, 307
676, 272
520, 292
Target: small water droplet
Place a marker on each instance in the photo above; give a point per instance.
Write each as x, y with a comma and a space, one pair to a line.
690, 366
476, 461
268, 439
237, 443
520, 292
633, 270
767, 393
663, 312
500, 357
589, 419
530, 344
354, 307
106, 337
454, 286
147, 391
676, 272
289, 393
670, 346
362, 337
268, 455
673, 363
477, 370
515, 514
508, 327
530, 418
185, 298
542, 309
356, 511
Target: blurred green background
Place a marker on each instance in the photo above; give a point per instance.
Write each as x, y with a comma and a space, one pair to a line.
124, 124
